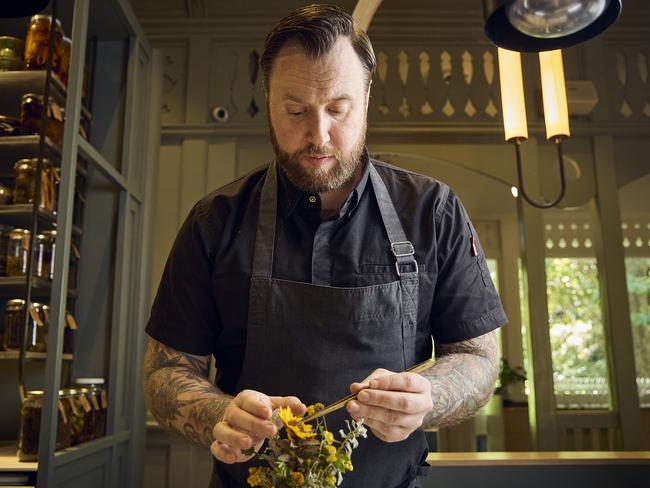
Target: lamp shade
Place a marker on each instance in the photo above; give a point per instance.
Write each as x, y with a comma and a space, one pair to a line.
556, 112
542, 25
513, 104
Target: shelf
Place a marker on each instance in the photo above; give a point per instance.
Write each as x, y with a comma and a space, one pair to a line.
13, 148
20, 216
9, 462
14, 287
31, 355
14, 84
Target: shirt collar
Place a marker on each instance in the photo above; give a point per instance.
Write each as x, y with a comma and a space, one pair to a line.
291, 197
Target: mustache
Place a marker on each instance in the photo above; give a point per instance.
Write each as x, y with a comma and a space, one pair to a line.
319, 151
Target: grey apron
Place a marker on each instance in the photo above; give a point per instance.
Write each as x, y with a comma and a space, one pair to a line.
312, 341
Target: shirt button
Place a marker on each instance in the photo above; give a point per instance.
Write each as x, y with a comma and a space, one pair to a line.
312, 199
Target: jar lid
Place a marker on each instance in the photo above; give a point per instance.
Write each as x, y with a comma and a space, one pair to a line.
67, 392
83, 391
37, 305
35, 394
19, 232
89, 381
44, 17
38, 96
16, 301
49, 233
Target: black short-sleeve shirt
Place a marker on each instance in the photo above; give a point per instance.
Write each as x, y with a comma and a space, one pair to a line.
202, 303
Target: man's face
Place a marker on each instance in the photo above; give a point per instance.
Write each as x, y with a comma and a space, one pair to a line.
317, 115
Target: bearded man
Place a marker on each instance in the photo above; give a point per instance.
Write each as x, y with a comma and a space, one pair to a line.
322, 272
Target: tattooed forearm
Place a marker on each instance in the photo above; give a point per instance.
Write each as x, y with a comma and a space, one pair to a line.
180, 395
462, 379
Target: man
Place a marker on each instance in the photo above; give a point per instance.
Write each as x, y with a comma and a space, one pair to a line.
322, 272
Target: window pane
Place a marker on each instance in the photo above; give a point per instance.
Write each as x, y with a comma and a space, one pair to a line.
638, 288
576, 332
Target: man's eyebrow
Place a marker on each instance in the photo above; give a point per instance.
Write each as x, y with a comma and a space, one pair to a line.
293, 98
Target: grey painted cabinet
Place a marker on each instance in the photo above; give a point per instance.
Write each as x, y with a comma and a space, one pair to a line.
109, 291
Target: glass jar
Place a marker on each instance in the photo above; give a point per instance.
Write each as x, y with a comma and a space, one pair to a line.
31, 108
30, 424
36, 329
11, 53
37, 42
65, 60
98, 400
81, 426
4, 246
17, 252
14, 323
43, 257
68, 336
25, 183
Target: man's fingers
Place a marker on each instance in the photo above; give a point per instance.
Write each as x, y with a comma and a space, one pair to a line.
223, 452
384, 415
241, 420
378, 373
410, 403
411, 382
386, 432
255, 403
294, 403
225, 434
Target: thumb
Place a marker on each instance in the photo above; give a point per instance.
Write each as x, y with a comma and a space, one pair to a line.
294, 403
378, 373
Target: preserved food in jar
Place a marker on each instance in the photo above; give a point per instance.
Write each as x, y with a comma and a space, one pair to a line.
37, 42
25, 184
44, 255
17, 252
30, 424
4, 246
36, 329
98, 400
31, 108
11, 53
14, 323
65, 60
82, 428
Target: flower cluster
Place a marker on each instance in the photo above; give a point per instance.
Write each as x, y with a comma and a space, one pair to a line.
307, 457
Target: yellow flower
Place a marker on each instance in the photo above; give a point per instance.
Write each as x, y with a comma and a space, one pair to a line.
348, 465
296, 428
331, 454
328, 437
255, 476
331, 480
312, 409
298, 478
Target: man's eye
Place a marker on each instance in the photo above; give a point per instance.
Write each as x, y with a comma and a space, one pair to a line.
334, 111
295, 114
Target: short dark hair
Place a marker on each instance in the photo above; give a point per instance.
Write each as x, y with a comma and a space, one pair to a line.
316, 28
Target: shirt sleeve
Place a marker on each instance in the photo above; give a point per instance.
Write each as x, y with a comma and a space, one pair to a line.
184, 315
465, 302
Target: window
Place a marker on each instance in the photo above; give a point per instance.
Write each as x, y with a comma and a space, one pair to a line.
638, 288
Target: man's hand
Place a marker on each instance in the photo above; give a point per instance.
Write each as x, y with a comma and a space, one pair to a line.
392, 404
247, 422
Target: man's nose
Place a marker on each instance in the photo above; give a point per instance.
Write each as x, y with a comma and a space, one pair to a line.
319, 129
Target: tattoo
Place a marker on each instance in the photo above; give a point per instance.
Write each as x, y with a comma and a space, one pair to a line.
180, 395
462, 379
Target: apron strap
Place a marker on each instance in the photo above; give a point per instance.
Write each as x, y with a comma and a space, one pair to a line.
403, 250
265, 234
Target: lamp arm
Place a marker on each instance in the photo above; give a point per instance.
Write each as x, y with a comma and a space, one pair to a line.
520, 176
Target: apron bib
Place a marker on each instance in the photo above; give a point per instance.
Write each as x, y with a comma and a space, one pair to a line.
312, 341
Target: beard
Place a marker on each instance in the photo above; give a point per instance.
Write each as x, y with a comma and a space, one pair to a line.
319, 180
